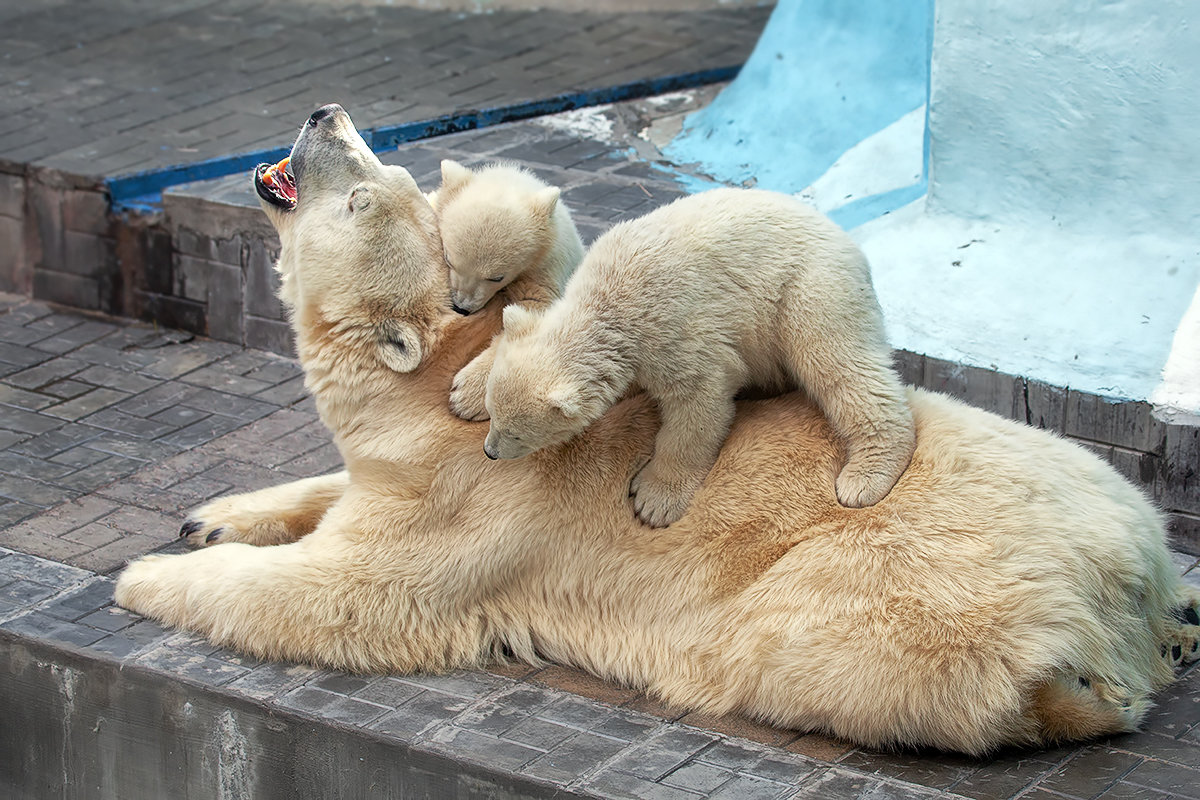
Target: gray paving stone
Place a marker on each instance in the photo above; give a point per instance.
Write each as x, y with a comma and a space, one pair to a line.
480, 749
46, 373
933, 770
21, 421
341, 683
32, 492
476, 685
332, 706
1091, 772
192, 665
43, 626
1172, 778
624, 785
663, 752
388, 692
86, 404
109, 618
747, 787
696, 777
30, 401
574, 757
25, 593
78, 603
422, 712
271, 680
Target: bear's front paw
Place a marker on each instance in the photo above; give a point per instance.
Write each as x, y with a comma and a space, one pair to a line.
659, 501
141, 586
232, 519
468, 392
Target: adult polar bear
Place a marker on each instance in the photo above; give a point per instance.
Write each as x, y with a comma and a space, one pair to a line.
1010, 589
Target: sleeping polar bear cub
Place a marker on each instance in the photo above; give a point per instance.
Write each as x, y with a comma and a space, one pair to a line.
502, 229
694, 301
1012, 590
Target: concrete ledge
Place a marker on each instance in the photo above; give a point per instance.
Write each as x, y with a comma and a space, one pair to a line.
81, 725
98, 702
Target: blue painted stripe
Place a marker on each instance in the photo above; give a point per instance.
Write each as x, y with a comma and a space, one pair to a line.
142, 190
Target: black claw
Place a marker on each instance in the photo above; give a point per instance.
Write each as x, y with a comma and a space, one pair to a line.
1176, 653
212, 537
1186, 615
190, 527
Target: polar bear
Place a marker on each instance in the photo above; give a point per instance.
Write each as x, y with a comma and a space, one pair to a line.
1015, 590
502, 229
694, 301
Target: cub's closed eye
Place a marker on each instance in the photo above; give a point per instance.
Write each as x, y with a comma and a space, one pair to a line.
496, 279
446, 258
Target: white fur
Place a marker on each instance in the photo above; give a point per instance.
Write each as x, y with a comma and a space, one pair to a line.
693, 302
502, 229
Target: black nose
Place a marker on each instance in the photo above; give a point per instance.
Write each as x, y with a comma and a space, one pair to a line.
323, 112
462, 311
488, 453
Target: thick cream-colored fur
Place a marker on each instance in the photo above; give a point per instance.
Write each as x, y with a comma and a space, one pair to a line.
960, 612
694, 301
502, 229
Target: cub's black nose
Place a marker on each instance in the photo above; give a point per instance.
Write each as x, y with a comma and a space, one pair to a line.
323, 112
462, 311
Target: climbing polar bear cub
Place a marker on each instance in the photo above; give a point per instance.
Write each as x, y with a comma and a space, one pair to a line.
502, 229
694, 301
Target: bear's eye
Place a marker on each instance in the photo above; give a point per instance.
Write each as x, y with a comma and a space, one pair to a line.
496, 278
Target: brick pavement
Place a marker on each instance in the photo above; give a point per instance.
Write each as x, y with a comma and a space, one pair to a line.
110, 87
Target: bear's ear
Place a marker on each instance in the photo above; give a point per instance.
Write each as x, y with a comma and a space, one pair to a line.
454, 177
360, 198
519, 320
400, 346
545, 201
566, 399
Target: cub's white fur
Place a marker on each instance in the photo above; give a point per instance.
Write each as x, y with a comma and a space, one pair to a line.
502, 229
696, 300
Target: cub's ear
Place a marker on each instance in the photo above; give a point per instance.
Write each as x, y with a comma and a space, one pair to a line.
360, 198
454, 177
545, 201
566, 399
519, 320
400, 346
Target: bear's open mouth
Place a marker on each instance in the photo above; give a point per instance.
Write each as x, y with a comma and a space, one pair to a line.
275, 184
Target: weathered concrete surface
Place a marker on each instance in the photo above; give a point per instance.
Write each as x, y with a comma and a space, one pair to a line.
80, 726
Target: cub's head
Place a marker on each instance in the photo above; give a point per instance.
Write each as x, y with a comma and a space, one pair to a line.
495, 224
534, 397
361, 257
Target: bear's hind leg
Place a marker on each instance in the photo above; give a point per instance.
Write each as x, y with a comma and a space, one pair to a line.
277, 515
866, 405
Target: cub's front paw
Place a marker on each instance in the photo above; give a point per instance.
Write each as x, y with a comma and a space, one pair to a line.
468, 391
658, 500
865, 481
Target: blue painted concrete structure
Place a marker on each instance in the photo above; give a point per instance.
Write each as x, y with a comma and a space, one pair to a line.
1058, 238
